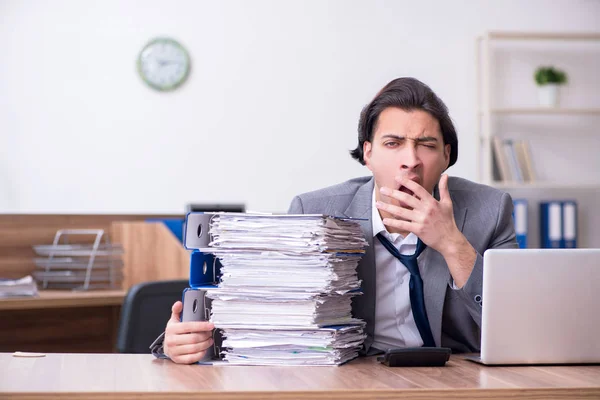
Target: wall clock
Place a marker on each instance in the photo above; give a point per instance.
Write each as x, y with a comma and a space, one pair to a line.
164, 64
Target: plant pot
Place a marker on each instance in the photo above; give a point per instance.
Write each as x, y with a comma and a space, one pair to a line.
548, 95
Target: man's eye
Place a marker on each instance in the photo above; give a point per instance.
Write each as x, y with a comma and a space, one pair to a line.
391, 144
429, 146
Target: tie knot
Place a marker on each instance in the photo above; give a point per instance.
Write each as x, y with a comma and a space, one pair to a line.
396, 252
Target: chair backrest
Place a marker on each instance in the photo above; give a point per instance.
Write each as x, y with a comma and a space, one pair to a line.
145, 312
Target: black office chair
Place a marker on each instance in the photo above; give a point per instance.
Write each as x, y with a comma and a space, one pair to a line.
145, 312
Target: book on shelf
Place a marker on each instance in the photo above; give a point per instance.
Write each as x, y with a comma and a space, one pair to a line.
520, 217
569, 215
511, 156
550, 224
512, 161
523, 153
558, 224
500, 160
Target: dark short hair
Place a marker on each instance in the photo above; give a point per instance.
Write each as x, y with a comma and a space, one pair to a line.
407, 94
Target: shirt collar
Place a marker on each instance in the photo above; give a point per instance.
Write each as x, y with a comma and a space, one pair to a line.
377, 222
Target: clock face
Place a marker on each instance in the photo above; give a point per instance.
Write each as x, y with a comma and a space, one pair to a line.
164, 64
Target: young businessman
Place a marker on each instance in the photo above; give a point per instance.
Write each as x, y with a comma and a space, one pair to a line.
422, 272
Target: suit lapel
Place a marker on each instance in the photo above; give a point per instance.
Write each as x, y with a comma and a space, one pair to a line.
436, 277
363, 306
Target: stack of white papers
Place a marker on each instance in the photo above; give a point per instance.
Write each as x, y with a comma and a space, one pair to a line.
325, 346
25, 286
286, 286
302, 233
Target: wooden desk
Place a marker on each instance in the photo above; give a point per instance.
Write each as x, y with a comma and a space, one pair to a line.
61, 321
64, 299
80, 322
128, 376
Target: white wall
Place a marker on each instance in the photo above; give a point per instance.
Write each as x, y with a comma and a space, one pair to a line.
270, 109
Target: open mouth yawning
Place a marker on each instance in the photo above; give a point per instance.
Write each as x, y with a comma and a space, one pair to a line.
406, 190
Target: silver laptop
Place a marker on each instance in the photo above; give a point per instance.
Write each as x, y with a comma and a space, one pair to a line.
541, 306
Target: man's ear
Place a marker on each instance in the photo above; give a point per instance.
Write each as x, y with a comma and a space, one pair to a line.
447, 150
367, 147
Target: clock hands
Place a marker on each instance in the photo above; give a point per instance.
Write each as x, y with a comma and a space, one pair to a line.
162, 63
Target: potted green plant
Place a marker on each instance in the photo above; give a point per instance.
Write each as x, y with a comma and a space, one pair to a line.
549, 80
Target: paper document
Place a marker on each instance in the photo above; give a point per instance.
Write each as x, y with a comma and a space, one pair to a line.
25, 286
286, 286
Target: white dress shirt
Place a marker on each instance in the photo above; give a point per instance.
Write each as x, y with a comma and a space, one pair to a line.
394, 322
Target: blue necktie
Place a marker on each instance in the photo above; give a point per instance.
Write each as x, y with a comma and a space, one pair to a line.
417, 299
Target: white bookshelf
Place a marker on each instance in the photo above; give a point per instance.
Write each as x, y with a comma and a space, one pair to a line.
508, 108
547, 185
488, 112
545, 111
553, 36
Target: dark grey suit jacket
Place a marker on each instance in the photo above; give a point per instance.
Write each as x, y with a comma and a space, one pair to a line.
482, 213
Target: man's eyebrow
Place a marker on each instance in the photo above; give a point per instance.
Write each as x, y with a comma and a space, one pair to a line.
392, 136
419, 139
427, 139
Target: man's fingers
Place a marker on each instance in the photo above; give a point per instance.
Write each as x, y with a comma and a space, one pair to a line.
189, 358
186, 342
405, 198
190, 348
176, 311
404, 226
188, 338
417, 189
399, 212
443, 186
190, 327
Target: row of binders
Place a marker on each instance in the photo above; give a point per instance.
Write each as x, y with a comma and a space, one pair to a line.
512, 161
283, 286
558, 223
